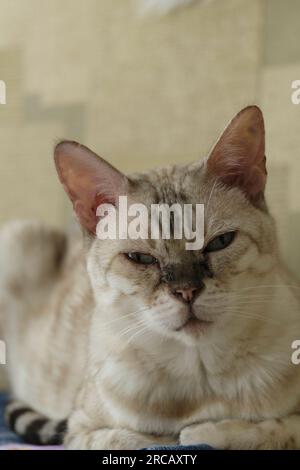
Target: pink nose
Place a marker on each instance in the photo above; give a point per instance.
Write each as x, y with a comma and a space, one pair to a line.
188, 294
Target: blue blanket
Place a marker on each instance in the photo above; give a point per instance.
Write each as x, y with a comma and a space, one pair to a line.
6, 436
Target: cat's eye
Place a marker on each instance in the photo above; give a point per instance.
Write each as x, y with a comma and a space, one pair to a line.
220, 242
141, 258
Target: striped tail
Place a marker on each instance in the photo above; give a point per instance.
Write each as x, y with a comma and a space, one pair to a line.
33, 427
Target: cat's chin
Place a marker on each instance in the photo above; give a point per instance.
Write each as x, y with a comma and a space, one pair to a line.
194, 326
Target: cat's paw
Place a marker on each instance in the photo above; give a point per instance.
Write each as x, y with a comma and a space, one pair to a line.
205, 433
225, 434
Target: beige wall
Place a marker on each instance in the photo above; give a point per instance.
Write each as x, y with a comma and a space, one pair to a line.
144, 91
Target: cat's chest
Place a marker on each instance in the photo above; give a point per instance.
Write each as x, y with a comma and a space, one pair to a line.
165, 396
153, 398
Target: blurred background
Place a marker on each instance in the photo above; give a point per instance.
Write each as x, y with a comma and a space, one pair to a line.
144, 87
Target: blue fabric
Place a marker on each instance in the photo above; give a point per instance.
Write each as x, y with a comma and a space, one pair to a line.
183, 448
6, 436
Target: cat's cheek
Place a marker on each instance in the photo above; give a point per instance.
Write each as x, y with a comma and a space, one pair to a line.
265, 263
133, 280
241, 256
248, 259
252, 260
121, 284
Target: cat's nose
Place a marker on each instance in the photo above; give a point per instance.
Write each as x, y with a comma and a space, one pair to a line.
187, 295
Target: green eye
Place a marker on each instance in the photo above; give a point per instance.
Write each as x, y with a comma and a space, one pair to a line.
220, 242
141, 258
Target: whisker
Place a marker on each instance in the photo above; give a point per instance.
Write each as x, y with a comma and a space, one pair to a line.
211, 193
235, 303
127, 330
242, 314
124, 316
138, 333
267, 286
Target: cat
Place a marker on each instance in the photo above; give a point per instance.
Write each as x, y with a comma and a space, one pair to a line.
126, 344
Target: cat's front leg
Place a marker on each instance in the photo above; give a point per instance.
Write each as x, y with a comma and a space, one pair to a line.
281, 433
114, 439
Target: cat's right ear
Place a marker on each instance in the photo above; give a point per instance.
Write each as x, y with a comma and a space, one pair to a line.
88, 180
238, 158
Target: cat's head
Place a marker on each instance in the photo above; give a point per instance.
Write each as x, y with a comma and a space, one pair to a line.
180, 292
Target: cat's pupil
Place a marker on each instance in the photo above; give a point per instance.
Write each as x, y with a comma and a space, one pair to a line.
223, 239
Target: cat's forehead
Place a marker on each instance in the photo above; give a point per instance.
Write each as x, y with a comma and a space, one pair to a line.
173, 184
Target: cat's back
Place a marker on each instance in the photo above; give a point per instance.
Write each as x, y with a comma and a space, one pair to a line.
31, 255
34, 257
46, 302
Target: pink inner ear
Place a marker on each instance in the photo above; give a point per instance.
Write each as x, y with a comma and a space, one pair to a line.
88, 180
238, 158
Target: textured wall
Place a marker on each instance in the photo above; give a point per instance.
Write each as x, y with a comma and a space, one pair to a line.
144, 91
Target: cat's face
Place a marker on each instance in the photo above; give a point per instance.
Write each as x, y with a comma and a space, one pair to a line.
238, 248
179, 292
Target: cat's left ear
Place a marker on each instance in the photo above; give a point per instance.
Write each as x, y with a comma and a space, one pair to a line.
88, 180
238, 158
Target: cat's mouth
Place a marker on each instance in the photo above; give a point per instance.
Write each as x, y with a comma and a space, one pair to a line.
194, 325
